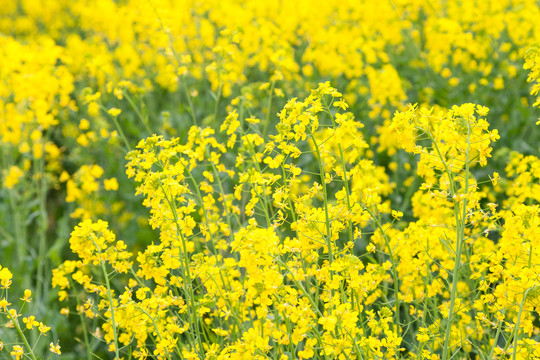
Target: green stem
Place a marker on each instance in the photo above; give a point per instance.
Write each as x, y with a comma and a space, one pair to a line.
205, 212
495, 340
188, 282
325, 200
178, 63
111, 307
222, 192
267, 205
119, 128
109, 293
269, 106
394, 268
21, 334
310, 298
518, 322
460, 238
85, 331
155, 326
218, 96
139, 114
19, 239
42, 284
344, 169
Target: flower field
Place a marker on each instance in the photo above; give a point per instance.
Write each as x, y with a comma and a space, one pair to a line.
186, 179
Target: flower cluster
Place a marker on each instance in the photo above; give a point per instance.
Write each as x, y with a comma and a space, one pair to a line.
290, 279
532, 63
23, 329
280, 216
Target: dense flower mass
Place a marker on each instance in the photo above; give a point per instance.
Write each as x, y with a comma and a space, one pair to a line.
291, 180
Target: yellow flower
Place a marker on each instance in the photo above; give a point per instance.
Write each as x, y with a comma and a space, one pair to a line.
5, 277
64, 176
495, 178
114, 112
18, 352
423, 335
110, 184
93, 108
27, 294
12, 177
30, 321
43, 329
498, 83
54, 348
84, 124
4, 304
397, 214
328, 323
482, 110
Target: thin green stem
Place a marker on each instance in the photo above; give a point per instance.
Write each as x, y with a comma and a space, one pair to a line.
85, 331
269, 106
205, 212
19, 240
218, 96
497, 334
186, 269
120, 131
304, 291
109, 294
21, 335
111, 307
42, 189
344, 169
518, 322
155, 327
138, 112
222, 191
460, 236
178, 63
394, 268
266, 204
325, 199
